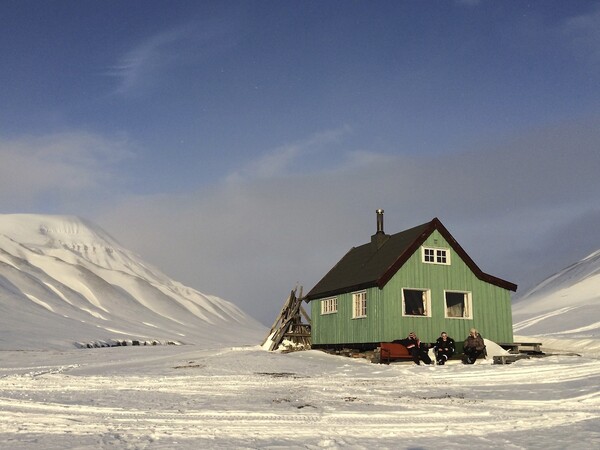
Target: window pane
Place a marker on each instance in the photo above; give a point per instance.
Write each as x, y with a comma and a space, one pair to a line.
429, 255
436, 256
414, 302
441, 256
359, 304
455, 304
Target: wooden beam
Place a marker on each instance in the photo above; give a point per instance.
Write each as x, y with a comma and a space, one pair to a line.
289, 322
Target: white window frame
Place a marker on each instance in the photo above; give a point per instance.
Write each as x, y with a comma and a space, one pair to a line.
359, 305
436, 255
468, 297
329, 306
426, 302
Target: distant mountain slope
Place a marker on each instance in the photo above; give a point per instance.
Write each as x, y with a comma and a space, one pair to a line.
63, 280
566, 304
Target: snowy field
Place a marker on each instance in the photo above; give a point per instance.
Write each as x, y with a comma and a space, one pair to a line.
64, 281
244, 397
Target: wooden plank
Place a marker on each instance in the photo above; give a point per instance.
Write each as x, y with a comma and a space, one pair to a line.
289, 322
279, 318
305, 314
522, 347
508, 359
280, 314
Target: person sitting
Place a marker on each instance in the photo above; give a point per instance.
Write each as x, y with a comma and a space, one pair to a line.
417, 350
443, 348
473, 347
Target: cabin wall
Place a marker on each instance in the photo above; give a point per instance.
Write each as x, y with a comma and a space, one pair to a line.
341, 327
491, 306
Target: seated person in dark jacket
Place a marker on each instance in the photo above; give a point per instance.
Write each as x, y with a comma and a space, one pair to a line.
443, 348
473, 347
417, 350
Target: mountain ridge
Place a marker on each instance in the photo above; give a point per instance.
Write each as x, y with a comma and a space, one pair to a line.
63, 280
566, 304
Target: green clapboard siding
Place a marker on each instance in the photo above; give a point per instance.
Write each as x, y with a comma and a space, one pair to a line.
491, 306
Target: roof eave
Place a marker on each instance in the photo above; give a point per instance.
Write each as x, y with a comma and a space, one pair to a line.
436, 224
345, 290
406, 254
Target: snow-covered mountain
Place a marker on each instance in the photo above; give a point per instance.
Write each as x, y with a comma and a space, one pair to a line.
565, 305
63, 281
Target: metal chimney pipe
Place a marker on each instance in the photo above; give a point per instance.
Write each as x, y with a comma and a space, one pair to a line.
379, 221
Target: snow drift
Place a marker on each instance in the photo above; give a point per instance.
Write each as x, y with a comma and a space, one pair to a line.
565, 305
63, 280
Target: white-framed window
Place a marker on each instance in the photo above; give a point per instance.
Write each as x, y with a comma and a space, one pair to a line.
359, 304
416, 302
436, 255
329, 305
458, 305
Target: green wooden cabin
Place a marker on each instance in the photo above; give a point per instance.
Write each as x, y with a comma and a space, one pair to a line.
417, 280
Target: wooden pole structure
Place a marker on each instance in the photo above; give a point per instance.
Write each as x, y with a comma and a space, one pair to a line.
288, 324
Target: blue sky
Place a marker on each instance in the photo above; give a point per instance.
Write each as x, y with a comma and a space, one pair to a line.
243, 147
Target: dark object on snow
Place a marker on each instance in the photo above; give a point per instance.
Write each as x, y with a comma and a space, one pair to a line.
390, 351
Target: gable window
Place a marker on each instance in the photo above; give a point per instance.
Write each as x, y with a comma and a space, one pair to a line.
359, 304
416, 302
436, 255
329, 305
458, 305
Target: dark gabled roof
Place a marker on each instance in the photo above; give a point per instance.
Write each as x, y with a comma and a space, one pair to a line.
371, 265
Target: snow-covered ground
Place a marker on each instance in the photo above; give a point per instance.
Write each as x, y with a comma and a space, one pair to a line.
244, 397
63, 281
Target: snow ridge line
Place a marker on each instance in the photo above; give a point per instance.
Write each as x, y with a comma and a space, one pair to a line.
37, 373
532, 321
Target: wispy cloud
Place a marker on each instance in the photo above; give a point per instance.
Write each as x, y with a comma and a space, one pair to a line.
142, 65
63, 165
584, 33
287, 158
141, 60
